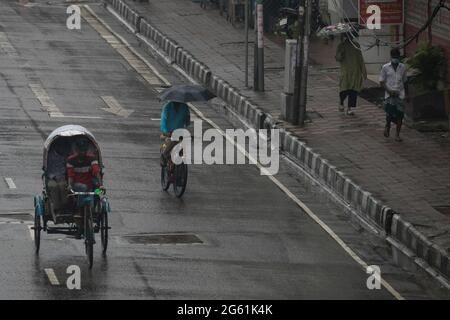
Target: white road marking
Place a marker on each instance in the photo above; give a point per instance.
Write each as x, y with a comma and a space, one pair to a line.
303, 206
15, 222
10, 183
7, 47
76, 117
155, 119
159, 90
45, 100
122, 47
115, 107
31, 231
52, 276
279, 184
50, 107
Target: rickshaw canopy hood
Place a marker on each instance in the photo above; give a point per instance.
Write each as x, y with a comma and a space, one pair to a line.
70, 131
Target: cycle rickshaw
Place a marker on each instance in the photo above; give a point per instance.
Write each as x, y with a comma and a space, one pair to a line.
92, 207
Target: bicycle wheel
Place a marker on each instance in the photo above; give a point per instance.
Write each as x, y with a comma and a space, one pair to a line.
89, 235
179, 185
104, 231
165, 181
37, 232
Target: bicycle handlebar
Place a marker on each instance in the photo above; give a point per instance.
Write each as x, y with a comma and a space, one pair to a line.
75, 193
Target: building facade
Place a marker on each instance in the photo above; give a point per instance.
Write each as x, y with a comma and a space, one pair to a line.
416, 15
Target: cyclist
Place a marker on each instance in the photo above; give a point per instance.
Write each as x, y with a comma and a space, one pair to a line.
175, 115
83, 172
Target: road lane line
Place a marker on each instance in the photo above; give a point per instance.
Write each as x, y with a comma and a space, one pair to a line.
115, 107
279, 184
16, 222
122, 47
50, 107
7, 46
76, 117
47, 103
303, 206
127, 45
52, 276
10, 183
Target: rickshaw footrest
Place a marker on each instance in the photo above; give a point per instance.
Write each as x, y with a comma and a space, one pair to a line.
69, 231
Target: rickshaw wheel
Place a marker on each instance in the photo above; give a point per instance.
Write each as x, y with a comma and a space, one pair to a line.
37, 232
104, 231
89, 235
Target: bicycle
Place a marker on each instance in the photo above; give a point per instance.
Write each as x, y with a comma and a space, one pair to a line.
175, 174
85, 204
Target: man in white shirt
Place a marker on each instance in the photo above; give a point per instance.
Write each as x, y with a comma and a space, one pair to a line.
393, 78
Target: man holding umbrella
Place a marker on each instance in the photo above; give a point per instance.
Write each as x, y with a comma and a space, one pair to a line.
176, 114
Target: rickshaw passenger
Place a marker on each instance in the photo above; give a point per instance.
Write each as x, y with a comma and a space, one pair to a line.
56, 177
83, 170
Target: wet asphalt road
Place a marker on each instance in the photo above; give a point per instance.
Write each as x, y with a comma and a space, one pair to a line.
258, 244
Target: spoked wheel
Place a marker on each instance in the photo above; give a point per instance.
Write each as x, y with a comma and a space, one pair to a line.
89, 235
37, 232
165, 177
104, 231
179, 185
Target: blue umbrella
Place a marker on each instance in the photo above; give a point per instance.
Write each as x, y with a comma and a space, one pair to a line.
186, 93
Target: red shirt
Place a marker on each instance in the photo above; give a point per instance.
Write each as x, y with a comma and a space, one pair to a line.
83, 170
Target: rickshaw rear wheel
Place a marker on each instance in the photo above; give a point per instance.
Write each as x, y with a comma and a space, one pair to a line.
37, 233
104, 231
89, 235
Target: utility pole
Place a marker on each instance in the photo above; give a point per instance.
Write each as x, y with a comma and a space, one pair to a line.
246, 42
258, 78
301, 68
305, 63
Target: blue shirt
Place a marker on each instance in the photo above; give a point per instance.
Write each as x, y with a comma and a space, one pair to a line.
172, 119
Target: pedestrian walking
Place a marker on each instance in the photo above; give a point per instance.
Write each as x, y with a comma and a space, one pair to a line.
353, 71
393, 79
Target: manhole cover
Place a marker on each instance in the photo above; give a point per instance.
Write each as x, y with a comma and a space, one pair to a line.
189, 14
173, 238
443, 209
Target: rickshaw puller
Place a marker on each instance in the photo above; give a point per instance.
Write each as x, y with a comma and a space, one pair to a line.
83, 170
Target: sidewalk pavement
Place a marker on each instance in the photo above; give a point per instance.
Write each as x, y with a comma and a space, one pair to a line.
412, 177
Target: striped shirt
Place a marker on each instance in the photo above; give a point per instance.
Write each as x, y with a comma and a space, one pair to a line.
83, 169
